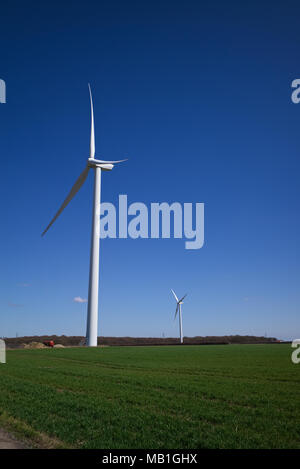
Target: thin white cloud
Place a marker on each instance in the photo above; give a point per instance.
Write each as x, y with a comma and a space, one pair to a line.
78, 299
23, 284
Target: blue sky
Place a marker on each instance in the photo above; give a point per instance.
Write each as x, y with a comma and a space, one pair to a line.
198, 96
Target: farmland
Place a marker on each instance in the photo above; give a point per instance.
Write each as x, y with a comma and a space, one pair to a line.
231, 396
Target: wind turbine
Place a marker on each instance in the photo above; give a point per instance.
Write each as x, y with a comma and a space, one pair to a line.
178, 308
98, 166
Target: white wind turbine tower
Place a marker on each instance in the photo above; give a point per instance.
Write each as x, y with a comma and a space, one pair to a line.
178, 308
98, 166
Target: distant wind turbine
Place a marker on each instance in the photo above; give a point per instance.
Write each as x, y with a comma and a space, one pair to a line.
178, 308
97, 166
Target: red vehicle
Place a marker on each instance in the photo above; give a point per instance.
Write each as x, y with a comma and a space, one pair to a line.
49, 343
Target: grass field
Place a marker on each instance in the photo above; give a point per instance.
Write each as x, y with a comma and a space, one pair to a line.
234, 396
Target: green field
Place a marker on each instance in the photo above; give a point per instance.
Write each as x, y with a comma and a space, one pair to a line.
234, 396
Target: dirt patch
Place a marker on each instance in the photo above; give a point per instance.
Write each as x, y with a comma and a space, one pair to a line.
7, 441
34, 345
24, 436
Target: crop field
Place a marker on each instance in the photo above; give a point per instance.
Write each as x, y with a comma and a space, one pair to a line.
182, 397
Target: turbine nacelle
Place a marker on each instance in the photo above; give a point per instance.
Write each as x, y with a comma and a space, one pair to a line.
105, 165
92, 163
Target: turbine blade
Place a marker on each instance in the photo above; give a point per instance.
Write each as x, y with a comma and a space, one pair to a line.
111, 162
176, 312
183, 297
71, 194
174, 295
92, 142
